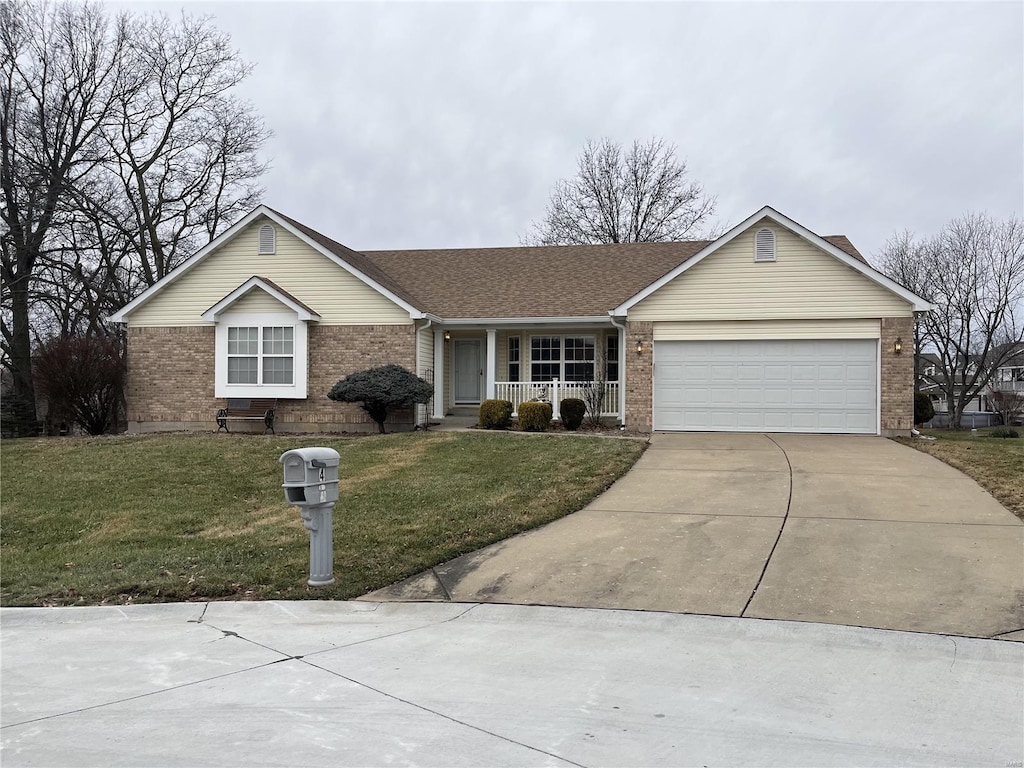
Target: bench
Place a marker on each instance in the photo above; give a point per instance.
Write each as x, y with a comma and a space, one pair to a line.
248, 409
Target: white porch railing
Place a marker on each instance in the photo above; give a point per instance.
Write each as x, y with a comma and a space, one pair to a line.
1008, 386
554, 392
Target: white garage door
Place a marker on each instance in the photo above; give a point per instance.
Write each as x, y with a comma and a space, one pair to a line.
766, 386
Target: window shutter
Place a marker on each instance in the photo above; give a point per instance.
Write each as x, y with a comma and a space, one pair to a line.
268, 239
764, 245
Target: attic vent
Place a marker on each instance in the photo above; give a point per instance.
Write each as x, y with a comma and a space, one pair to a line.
268, 239
764, 245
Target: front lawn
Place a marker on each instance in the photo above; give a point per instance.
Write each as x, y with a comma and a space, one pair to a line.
162, 518
997, 464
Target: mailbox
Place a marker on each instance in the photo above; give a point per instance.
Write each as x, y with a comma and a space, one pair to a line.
310, 476
311, 484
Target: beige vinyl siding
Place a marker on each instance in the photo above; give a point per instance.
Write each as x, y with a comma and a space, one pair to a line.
502, 357
802, 283
767, 329
425, 352
306, 274
258, 300
424, 364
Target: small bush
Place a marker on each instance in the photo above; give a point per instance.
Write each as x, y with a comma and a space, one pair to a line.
382, 389
923, 408
495, 414
572, 410
1004, 432
535, 417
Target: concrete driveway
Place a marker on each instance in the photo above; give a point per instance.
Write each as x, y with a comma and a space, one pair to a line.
837, 529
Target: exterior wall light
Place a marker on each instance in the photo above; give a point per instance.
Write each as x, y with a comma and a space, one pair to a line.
447, 335
639, 346
897, 346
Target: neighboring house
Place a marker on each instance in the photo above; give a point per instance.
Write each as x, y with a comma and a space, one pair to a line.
770, 327
932, 382
1009, 377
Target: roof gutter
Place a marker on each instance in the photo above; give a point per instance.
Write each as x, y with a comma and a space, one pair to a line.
521, 321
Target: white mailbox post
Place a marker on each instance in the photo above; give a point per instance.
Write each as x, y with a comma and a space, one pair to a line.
311, 484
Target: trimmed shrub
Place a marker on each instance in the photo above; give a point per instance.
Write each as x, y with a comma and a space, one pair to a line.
923, 408
572, 410
1004, 432
382, 389
495, 414
535, 417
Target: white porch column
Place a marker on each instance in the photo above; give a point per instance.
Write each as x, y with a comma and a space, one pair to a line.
622, 374
492, 362
438, 374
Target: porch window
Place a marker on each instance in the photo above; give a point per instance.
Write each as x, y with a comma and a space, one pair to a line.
568, 358
250, 362
611, 358
513, 358
579, 358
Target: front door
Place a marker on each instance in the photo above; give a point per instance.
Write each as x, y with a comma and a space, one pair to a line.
468, 371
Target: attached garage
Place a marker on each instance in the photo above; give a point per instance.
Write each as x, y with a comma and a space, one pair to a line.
803, 385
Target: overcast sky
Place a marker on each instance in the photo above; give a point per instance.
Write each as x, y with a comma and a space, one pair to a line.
426, 125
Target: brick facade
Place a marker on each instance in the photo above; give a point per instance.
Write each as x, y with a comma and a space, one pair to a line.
171, 378
897, 396
639, 376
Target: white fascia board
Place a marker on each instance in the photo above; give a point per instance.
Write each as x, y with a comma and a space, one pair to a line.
918, 303
521, 321
252, 284
121, 316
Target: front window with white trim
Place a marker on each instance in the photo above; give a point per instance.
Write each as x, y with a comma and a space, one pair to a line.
261, 355
567, 358
253, 362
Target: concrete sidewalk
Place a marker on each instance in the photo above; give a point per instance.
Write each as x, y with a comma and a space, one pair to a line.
367, 684
839, 529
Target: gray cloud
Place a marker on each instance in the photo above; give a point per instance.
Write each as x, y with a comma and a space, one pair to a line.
429, 125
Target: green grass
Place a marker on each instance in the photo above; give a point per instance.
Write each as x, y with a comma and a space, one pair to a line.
996, 464
163, 518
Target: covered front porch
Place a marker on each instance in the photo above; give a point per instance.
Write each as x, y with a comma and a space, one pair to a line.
540, 360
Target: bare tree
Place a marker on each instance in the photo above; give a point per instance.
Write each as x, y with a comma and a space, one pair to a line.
639, 196
594, 389
973, 271
59, 63
1008, 403
184, 151
123, 151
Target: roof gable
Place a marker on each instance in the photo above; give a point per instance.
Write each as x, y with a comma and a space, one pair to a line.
351, 261
831, 246
256, 283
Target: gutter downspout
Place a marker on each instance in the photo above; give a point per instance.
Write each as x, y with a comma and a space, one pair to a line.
426, 407
622, 369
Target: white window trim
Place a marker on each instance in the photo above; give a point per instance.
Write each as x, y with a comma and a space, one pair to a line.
562, 360
757, 250
300, 364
